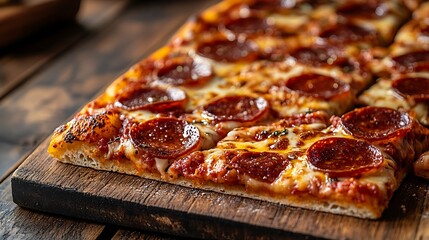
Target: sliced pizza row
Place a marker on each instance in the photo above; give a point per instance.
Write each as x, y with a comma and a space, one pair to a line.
250, 97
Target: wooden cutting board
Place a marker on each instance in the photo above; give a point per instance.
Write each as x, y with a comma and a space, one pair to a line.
43, 184
19, 20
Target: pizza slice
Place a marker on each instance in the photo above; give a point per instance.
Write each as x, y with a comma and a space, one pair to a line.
352, 167
239, 101
405, 80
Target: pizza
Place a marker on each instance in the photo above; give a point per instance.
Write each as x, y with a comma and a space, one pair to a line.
404, 71
314, 104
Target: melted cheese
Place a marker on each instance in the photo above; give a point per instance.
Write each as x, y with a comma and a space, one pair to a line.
300, 176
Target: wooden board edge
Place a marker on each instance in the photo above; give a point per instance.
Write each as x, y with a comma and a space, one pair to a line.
71, 203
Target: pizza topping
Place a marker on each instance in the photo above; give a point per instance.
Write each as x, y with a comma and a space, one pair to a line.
320, 55
347, 33
165, 138
229, 51
153, 99
278, 5
367, 9
272, 5
323, 55
236, 108
424, 30
189, 165
185, 72
417, 87
374, 123
317, 85
280, 144
261, 166
413, 61
249, 26
344, 157
304, 118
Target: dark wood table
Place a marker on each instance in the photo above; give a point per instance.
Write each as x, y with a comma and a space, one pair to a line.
46, 78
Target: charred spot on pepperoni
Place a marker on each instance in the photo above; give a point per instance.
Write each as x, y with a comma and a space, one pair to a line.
316, 85
166, 138
344, 157
229, 51
367, 9
261, 166
236, 108
416, 88
373, 123
153, 99
347, 33
186, 72
413, 61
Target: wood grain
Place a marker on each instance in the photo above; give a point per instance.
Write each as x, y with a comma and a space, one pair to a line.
150, 205
21, 20
423, 228
19, 223
19, 61
136, 235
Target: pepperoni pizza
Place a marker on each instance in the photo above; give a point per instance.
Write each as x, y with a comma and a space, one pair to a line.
255, 98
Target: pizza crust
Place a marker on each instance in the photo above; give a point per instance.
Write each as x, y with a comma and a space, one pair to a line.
80, 158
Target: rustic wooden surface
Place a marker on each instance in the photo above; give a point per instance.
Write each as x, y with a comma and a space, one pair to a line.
47, 77
19, 223
27, 16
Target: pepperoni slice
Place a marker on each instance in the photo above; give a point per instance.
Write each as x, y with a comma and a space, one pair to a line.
317, 85
278, 5
152, 99
347, 33
185, 72
367, 9
424, 30
344, 157
373, 123
417, 88
165, 137
320, 55
323, 55
414, 61
261, 166
250, 25
236, 108
272, 5
229, 51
